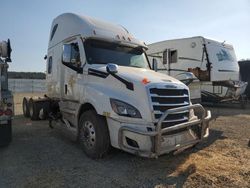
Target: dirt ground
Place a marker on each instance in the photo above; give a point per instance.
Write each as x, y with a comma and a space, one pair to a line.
42, 157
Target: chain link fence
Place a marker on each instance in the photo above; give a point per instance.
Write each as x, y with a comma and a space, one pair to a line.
27, 85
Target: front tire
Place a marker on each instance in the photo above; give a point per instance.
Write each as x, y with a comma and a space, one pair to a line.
93, 134
6, 133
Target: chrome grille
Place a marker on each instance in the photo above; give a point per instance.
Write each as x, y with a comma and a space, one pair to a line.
163, 99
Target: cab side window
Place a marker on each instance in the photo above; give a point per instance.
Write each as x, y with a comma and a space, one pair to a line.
75, 55
71, 57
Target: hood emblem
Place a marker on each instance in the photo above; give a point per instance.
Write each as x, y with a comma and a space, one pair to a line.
170, 86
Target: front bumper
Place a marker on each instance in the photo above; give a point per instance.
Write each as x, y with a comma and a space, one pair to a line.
161, 143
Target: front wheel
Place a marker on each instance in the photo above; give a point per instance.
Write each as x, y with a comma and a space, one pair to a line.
93, 134
5, 133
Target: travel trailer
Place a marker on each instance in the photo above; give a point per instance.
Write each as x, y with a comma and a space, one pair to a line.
6, 97
101, 90
213, 63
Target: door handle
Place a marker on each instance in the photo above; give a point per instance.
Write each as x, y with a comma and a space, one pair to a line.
65, 89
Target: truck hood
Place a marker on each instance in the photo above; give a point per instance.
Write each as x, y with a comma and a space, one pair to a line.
106, 87
133, 74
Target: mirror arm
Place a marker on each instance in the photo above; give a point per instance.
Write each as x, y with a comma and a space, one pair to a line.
129, 85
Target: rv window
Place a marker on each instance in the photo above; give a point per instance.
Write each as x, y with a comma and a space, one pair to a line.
173, 56
53, 32
50, 65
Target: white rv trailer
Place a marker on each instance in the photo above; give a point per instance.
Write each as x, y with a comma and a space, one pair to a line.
101, 90
213, 63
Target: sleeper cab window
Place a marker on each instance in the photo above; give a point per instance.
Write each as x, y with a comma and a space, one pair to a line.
53, 31
50, 65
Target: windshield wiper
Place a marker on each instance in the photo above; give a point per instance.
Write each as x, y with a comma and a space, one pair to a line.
100, 62
135, 66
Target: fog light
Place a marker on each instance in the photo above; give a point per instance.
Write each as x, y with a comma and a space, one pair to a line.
132, 143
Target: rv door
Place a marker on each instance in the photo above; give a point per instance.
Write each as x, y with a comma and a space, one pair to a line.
165, 60
169, 57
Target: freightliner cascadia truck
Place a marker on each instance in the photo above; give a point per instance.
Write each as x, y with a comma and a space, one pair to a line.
103, 92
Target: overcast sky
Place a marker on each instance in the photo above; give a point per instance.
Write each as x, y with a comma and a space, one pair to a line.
27, 23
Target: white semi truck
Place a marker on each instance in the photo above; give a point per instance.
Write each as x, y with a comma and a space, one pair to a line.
101, 90
6, 97
213, 63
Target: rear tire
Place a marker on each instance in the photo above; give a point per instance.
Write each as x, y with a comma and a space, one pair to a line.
93, 134
6, 133
34, 109
26, 112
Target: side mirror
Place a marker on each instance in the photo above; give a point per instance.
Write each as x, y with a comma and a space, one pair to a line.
66, 56
186, 77
166, 57
155, 65
9, 50
112, 68
5, 50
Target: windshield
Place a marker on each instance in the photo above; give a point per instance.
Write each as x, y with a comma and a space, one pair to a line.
100, 52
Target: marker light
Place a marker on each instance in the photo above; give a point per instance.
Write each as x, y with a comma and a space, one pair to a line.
8, 112
145, 81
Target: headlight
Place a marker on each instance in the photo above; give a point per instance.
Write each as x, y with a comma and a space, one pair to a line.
124, 109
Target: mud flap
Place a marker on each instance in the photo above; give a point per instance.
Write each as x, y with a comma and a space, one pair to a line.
5, 133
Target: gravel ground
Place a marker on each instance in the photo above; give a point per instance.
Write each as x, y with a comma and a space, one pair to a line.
42, 157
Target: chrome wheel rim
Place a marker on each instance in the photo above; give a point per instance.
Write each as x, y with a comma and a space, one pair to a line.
88, 134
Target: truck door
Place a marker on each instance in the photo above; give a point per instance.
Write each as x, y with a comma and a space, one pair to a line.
70, 77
